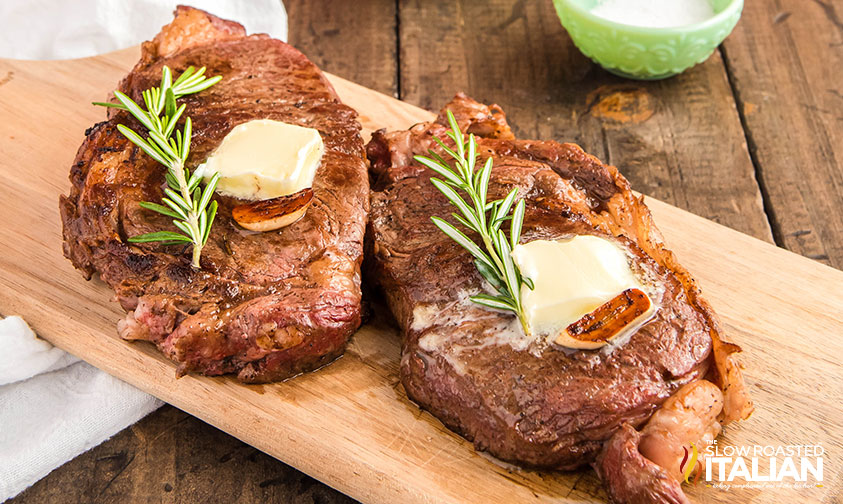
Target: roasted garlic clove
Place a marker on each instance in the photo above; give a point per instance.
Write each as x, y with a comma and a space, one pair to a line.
623, 313
275, 213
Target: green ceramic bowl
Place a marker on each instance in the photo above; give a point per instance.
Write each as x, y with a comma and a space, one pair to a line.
646, 53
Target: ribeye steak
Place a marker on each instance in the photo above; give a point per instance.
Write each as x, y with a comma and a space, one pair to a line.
474, 368
264, 305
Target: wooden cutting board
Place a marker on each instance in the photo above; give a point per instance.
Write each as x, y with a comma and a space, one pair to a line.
350, 424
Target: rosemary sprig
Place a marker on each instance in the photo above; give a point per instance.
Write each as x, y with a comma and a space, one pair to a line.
189, 205
492, 259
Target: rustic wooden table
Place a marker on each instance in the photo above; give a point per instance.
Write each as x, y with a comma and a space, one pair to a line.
752, 138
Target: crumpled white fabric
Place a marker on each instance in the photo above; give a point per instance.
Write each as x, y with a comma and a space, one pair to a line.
63, 29
54, 407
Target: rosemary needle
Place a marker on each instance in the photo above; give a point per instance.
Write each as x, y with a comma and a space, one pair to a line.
491, 257
189, 205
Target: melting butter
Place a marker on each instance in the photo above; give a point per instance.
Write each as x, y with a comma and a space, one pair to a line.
572, 278
263, 159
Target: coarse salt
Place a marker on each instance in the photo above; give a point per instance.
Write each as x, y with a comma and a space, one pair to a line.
654, 13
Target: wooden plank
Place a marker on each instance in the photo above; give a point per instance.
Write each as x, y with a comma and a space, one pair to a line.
350, 424
679, 140
356, 42
785, 58
172, 457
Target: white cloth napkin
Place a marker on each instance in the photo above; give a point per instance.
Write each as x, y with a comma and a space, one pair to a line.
63, 29
53, 406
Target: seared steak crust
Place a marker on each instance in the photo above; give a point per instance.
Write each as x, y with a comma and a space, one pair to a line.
264, 305
473, 368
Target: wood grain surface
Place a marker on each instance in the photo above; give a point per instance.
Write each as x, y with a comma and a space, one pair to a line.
356, 40
786, 68
672, 139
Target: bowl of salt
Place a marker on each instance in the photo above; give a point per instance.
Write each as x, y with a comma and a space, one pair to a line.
648, 39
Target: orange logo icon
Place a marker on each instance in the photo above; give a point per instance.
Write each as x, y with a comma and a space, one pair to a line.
687, 466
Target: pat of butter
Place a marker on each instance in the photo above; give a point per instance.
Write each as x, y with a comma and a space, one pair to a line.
264, 159
572, 278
